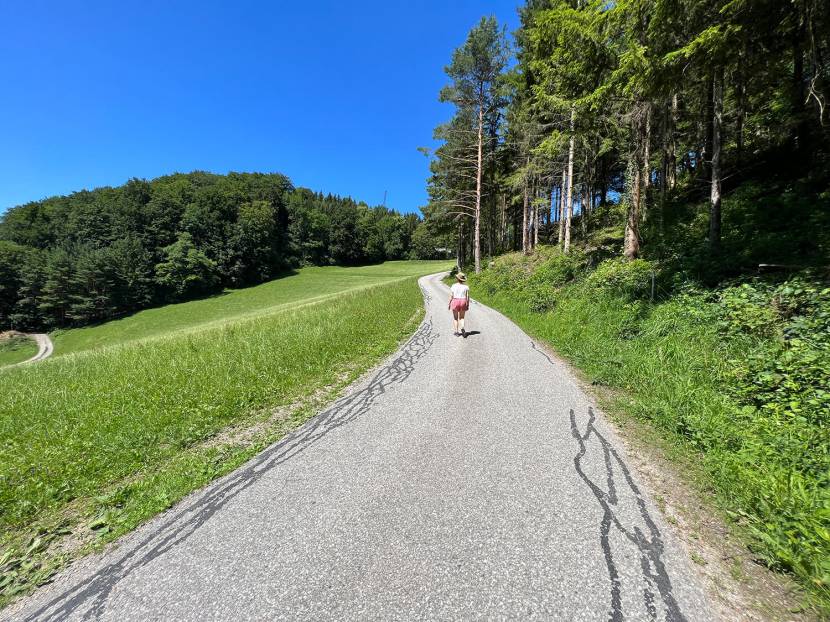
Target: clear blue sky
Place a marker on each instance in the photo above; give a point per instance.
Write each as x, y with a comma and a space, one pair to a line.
336, 95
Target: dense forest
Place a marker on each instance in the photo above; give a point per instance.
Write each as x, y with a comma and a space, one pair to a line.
93, 255
622, 115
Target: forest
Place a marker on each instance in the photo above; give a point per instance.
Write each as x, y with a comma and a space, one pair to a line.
619, 116
645, 185
93, 255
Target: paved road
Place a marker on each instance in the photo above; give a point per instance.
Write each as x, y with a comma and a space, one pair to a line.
44, 347
466, 478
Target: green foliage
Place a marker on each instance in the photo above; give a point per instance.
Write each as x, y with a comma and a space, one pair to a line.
740, 374
185, 271
628, 279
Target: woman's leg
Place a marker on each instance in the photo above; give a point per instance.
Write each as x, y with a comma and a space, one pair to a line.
461, 313
455, 321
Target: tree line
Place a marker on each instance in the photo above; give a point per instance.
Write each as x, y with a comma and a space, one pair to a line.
605, 113
93, 255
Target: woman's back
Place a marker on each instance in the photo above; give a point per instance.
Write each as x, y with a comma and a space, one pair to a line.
459, 290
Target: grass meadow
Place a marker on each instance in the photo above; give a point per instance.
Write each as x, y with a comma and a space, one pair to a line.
16, 350
95, 442
304, 286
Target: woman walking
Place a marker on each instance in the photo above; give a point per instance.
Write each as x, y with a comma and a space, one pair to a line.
459, 303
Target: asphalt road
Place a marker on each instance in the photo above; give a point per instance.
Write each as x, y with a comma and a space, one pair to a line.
465, 478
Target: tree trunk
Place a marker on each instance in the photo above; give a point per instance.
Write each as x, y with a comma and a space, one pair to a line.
707, 146
525, 208
561, 205
459, 260
569, 200
477, 234
583, 212
632, 223
647, 152
537, 219
798, 101
740, 102
717, 129
671, 171
549, 210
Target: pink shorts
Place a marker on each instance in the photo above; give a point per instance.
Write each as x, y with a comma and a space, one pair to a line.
459, 304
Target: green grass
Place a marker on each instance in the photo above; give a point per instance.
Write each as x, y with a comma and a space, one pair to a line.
95, 442
748, 404
305, 286
16, 350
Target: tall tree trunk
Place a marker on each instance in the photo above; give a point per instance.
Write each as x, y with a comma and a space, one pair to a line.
631, 248
537, 220
525, 207
632, 223
459, 260
549, 210
562, 205
717, 130
707, 146
503, 227
671, 171
569, 201
647, 156
583, 212
798, 98
477, 234
740, 102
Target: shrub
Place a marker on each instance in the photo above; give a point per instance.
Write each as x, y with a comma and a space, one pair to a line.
628, 279
558, 270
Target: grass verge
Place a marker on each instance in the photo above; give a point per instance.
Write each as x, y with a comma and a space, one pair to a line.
94, 443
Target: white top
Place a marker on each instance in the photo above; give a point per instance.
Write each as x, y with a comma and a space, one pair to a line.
460, 290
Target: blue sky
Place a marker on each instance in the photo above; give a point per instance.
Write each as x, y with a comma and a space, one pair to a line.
336, 95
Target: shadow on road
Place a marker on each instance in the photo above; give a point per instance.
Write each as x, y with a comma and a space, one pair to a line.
624, 511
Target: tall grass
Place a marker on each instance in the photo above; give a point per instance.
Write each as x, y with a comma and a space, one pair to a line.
114, 435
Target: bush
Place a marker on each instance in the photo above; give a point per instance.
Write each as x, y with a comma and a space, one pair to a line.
628, 279
558, 270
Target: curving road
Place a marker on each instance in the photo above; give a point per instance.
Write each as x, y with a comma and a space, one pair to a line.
44, 347
464, 478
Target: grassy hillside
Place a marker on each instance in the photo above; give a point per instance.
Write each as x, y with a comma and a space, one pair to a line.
93, 443
16, 349
306, 285
737, 373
